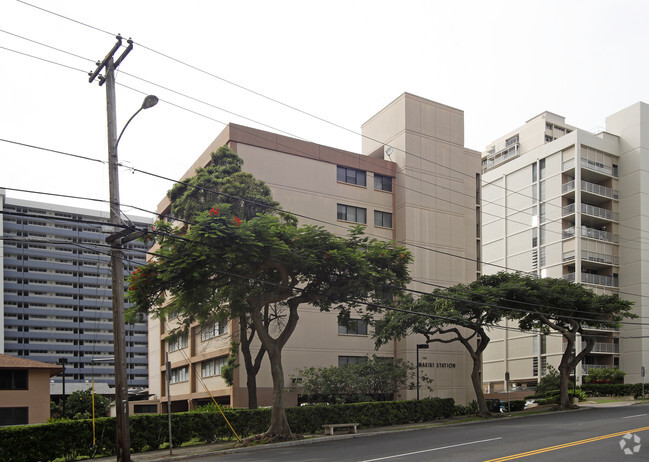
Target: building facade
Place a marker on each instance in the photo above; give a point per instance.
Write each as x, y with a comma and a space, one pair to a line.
415, 183
24, 390
562, 202
56, 291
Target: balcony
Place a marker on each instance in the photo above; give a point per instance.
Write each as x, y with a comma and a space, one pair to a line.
501, 156
601, 347
587, 278
600, 258
592, 233
598, 167
593, 188
591, 210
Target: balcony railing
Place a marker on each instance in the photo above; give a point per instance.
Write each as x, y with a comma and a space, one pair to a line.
599, 234
591, 210
587, 278
592, 233
598, 167
601, 347
599, 212
599, 189
501, 156
600, 257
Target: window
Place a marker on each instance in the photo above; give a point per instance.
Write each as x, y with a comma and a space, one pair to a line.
145, 408
382, 183
212, 367
180, 374
542, 168
543, 237
13, 379
542, 190
355, 327
535, 237
382, 219
534, 174
214, 329
350, 213
342, 360
178, 342
542, 212
351, 176
14, 416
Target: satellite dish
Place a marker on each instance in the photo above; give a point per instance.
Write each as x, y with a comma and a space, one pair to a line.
389, 150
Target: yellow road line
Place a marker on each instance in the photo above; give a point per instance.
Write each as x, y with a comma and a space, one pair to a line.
566, 445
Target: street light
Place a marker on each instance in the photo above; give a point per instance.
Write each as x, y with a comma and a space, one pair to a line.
116, 256
420, 346
63, 362
149, 101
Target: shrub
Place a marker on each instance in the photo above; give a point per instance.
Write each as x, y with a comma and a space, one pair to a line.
548, 382
469, 409
613, 375
70, 439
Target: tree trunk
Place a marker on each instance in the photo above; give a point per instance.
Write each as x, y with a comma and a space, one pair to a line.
251, 371
279, 428
564, 386
483, 409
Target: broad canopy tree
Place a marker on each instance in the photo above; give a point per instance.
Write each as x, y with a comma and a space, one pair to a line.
225, 266
466, 313
462, 313
550, 304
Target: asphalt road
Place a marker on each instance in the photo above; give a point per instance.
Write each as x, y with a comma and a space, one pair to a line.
588, 435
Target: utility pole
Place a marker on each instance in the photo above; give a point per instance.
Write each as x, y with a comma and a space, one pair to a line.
122, 436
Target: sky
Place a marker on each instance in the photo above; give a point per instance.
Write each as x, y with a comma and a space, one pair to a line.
256, 62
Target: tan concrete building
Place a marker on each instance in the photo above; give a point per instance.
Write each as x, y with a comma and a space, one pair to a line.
415, 183
25, 390
562, 202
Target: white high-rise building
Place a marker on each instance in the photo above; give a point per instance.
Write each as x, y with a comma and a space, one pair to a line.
562, 202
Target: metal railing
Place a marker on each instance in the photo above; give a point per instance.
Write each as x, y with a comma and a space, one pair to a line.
601, 347
599, 212
599, 234
598, 189
587, 278
598, 167
600, 257
592, 233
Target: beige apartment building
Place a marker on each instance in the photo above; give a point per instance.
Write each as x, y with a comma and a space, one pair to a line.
25, 390
562, 202
414, 182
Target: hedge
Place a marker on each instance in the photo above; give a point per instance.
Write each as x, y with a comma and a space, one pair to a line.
613, 389
72, 439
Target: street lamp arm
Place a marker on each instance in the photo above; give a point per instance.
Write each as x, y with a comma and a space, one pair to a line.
129, 121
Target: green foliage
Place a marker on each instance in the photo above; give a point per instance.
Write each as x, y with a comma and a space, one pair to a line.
221, 182
73, 439
612, 389
227, 371
469, 409
613, 375
79, 405
376, 379
550, 381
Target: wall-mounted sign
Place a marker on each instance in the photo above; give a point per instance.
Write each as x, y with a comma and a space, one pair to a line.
438, 365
